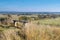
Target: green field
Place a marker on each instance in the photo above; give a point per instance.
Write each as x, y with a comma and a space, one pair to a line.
51, 21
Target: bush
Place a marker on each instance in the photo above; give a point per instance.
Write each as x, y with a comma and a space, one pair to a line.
25, 18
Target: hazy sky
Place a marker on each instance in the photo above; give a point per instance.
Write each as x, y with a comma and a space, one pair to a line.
30, 5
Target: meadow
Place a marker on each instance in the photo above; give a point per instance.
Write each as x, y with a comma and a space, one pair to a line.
46, 29
42, 29
53, 22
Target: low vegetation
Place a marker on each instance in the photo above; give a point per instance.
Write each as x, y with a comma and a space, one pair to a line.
37, 28
53, 22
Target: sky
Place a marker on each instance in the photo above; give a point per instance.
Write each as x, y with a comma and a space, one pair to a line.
30, 5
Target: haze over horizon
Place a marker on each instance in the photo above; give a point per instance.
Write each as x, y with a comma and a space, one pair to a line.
30, 5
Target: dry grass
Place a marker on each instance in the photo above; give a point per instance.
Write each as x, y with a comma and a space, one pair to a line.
32, 32
42, 32
10, 34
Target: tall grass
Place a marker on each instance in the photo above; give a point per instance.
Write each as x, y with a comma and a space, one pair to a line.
33, 31
42, 32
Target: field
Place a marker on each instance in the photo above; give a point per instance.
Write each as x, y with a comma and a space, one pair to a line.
43, 32
55, 22
47, 29
43, 29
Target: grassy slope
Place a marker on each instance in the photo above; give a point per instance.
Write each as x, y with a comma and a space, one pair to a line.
55, 22
9, 34
34, 31
42, 32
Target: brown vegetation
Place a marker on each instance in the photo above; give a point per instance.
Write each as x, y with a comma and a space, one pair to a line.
44, 29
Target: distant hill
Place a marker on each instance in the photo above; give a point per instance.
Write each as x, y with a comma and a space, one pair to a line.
29, 13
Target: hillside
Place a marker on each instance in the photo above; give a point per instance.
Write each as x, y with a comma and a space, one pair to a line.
36, 29
31, 31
